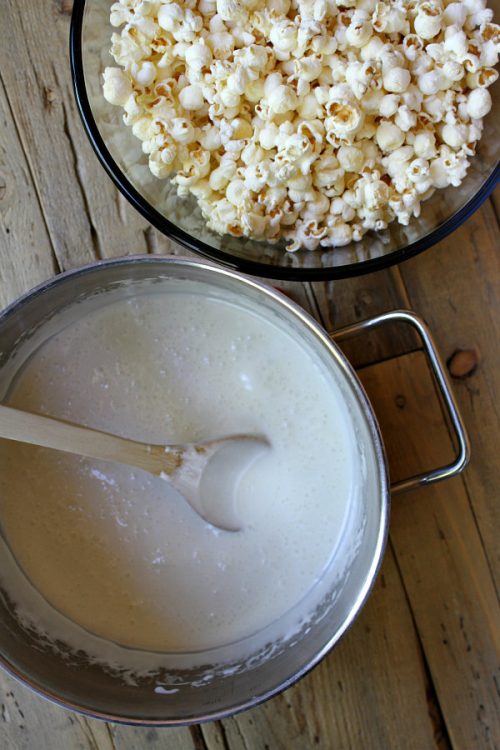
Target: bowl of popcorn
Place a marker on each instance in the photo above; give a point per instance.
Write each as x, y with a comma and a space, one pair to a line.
294, 139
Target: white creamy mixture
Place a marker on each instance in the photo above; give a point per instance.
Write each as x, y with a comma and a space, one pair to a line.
117, 550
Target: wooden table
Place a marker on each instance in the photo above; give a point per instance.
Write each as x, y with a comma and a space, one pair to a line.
419, 669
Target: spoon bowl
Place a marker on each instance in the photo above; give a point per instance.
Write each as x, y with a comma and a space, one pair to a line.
214, 491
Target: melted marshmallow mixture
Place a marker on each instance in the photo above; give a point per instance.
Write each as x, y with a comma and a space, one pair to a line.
117, 550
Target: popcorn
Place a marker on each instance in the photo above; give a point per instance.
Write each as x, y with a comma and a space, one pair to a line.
431, 82
344, 115
389, 105
372, 49
418, 170
283, 36
427, 23
478, 103
117, 87
455, 14
388, 136
194, 168
236, 192
144, 73
181, 130
405, 118
373, 192
454, 135
452, 71
350, 158
308, 120
424, 144
359, 30
448, 168
158, 166
198, 56
396, 80
232, 10
456, 43
191, 97
309, 108
435, 106
339, 234
221, 44
328, 172
484, 77
283, 99
317, 207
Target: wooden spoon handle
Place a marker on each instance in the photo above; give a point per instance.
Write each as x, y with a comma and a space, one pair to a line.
64, 436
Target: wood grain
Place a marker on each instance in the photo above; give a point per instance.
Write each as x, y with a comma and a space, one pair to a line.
447, 579
26, 256
457, 287
42, 124
28, 722
85, 214
130, 738
344, 302
495, 202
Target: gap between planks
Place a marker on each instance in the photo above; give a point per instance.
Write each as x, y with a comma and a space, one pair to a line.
19, 138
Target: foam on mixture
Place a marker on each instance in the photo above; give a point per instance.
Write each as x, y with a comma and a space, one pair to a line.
120, 553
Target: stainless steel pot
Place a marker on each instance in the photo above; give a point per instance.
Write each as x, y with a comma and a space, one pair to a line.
218, 686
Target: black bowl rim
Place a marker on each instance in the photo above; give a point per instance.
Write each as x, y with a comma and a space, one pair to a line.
199, 247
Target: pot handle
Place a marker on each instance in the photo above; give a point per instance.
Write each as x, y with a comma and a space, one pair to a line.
463, 455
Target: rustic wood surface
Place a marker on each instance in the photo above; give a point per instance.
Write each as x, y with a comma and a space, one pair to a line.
420, 668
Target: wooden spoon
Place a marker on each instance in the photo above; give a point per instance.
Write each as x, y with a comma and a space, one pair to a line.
206, 474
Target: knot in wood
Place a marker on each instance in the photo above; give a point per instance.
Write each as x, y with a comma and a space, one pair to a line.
463, 363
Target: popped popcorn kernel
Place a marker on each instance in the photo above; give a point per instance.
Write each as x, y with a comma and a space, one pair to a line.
314, 121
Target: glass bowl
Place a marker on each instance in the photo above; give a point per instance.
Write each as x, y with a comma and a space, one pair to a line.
179, 218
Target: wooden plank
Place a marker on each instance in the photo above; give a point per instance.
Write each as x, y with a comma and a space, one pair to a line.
29, 722
42, 128
117, 228
85, 215
347, 301
407, 405
134, 738
457, 287
368, 693
441, 558
26, 255
495, 199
